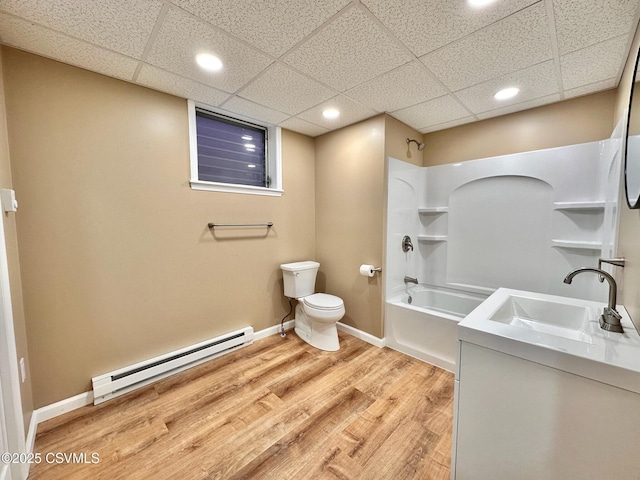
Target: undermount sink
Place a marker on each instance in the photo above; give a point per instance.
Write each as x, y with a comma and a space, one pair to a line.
547, 317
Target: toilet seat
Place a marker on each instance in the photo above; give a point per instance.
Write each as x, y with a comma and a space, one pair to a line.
323, 301
324, 308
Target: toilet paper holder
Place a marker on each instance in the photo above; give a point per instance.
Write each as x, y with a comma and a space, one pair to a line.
369, 270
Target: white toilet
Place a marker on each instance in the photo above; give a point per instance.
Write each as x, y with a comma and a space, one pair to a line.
316, 313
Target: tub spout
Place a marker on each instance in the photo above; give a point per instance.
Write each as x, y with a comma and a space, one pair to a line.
410, 280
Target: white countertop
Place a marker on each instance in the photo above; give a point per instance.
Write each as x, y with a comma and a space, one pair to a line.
611, 358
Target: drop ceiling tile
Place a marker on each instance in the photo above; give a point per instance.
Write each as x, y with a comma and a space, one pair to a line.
301, 126
123, 26
349, 51
350, 112
167, 82
181, 37
425, 25
591, 88
593, 64
48, 43
286, 90
253, 110
433, 112
273, 27
511, 44
580, 23
517, 107
406, 85
534, 82
444, 126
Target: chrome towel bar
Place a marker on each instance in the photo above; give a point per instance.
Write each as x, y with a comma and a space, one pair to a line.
213, 225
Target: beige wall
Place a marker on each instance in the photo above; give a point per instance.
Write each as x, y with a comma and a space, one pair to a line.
351, 188
14, 260
579, 120
629, 233
395, 143
118, 264
350, 201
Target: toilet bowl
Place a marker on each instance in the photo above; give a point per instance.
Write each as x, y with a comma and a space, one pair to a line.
316, 313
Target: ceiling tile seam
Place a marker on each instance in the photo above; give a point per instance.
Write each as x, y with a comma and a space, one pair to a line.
454, 92
152, 38
593, 83
143, 64
328, 100
390, 33
222, 31
479, 30
222, 105
485, 112
446, 123
238, 92
450, 95
553, 37
318, 29
59, 32
635, 28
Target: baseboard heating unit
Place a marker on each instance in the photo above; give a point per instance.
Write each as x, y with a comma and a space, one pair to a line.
126, 379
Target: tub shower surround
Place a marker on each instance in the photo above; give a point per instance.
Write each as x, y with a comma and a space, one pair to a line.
519, 221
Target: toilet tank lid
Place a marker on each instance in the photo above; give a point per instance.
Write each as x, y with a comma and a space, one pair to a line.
298, 266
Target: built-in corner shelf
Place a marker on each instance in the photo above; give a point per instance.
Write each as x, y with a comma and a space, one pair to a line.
598, 205
577, 244
433, 210
432, 238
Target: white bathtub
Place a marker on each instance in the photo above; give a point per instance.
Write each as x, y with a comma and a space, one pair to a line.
424, 326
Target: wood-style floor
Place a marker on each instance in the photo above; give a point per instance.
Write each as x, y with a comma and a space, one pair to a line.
278, 409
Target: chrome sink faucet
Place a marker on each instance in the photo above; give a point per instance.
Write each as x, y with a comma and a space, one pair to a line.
610, 318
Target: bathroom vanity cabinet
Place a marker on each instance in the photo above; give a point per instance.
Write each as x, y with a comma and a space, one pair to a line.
543, 393
518, 419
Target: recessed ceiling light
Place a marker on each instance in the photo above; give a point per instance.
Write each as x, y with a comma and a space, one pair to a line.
330, 113
247, 137
506, 93
209, 62
479, 3
251, 165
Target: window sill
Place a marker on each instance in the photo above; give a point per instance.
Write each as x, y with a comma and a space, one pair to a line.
232, 188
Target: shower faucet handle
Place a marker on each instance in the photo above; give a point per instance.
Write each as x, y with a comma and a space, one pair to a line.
406, 244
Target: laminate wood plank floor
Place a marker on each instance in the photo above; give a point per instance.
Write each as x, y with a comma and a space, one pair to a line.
277, 409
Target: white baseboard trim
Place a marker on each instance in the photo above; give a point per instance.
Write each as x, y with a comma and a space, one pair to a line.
48, 412
275, 330
69, 404
367, 337
63, 406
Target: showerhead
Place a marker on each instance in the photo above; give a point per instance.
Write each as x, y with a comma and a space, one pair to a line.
420, 145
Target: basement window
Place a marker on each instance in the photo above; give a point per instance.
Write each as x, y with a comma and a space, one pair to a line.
233, 155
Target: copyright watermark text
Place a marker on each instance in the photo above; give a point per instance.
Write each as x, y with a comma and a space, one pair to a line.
50, 458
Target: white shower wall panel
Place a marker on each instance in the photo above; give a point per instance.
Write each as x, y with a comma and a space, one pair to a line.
520, 221
406, 183
507, 222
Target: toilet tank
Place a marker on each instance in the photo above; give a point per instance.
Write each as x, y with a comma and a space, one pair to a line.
299, 278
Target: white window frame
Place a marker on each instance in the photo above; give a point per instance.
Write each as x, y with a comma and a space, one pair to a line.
273, 153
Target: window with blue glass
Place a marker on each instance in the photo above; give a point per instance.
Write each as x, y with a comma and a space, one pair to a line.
233, 154
231, 151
